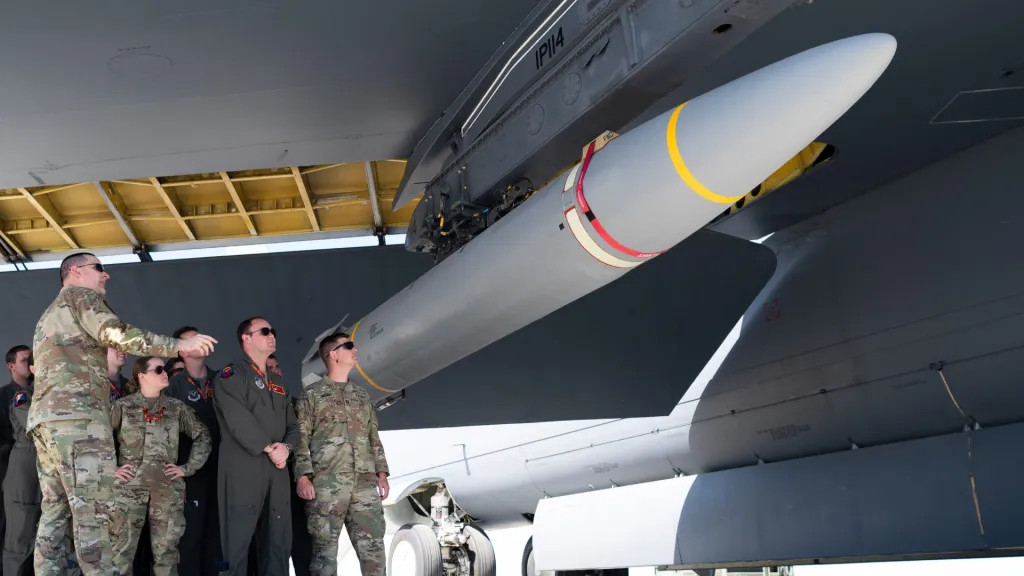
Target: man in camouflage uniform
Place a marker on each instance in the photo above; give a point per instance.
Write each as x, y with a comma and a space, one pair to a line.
340, 464
258, 432
69, 419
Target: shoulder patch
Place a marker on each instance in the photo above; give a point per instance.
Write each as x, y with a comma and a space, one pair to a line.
20, 398
227, 372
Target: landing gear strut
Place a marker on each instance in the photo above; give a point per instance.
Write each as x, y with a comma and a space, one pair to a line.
447, 546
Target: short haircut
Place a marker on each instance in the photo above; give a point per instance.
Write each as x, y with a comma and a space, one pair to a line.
70, 262
272, 356
12, 354
244, 327
172, 361
177, 333
328, 344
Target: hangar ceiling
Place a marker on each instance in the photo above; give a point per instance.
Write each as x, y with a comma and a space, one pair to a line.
351, 198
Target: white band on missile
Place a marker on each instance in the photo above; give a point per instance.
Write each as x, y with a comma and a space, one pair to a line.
570, 180
572, 217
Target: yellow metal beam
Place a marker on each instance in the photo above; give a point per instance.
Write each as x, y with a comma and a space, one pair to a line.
20, 231
116, 206
300, 183
89, 222
371, 186
55, 189
172, 202
10, 242
236, 197
259, 177
45, 207
178, 183
130, 182
319, 168
277, 210
150, 217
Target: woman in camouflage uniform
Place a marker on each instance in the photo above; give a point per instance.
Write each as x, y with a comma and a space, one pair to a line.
146, 427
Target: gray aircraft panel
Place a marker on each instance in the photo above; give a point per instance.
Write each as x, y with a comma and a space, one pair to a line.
997, 465
868, 297
133, 89
868, 503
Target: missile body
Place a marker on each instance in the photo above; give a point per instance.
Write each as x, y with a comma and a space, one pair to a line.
630, 198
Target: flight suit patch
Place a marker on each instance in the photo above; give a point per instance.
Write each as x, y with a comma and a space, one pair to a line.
20, 398
193, 396
259, 383
227, 372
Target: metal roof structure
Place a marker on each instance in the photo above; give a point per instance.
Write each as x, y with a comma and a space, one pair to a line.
334, 200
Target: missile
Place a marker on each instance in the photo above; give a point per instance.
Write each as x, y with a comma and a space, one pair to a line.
630, 198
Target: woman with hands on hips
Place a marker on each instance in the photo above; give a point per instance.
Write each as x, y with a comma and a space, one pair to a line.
146, 428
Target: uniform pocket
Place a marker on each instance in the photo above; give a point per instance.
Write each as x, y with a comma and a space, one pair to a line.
87, 455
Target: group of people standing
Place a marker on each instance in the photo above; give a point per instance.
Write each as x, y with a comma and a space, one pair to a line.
207, 460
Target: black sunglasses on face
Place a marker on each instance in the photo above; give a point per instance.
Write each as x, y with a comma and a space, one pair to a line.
158, 370
265, 331
96, 265
346, 345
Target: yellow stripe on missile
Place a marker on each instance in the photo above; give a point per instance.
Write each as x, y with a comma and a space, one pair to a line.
684, 172
360, 368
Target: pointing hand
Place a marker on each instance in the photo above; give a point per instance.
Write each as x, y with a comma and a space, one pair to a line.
197, 346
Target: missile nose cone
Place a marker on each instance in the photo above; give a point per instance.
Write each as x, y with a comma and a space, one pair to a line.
728, 140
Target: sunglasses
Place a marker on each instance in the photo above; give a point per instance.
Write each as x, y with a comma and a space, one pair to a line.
264, 331
96, 265
158, 370
346, 345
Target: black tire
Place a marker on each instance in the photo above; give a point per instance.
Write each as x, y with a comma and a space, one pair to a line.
425, 548
484, 563
527, 567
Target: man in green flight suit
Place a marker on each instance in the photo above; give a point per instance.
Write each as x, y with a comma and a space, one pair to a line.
258, 432
340, 466
69, 418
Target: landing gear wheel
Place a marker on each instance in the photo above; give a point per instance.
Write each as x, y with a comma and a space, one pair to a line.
528, 565
482, 552
414, 552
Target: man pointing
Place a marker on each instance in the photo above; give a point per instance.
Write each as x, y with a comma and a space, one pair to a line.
69, 419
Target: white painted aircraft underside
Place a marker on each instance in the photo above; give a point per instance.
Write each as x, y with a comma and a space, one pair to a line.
866, 405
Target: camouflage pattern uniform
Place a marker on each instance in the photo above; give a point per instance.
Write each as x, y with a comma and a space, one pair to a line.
253, 411
22, 496
147, 440
340, 450
69, 421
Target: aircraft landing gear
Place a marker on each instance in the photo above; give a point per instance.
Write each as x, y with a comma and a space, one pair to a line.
445, 547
